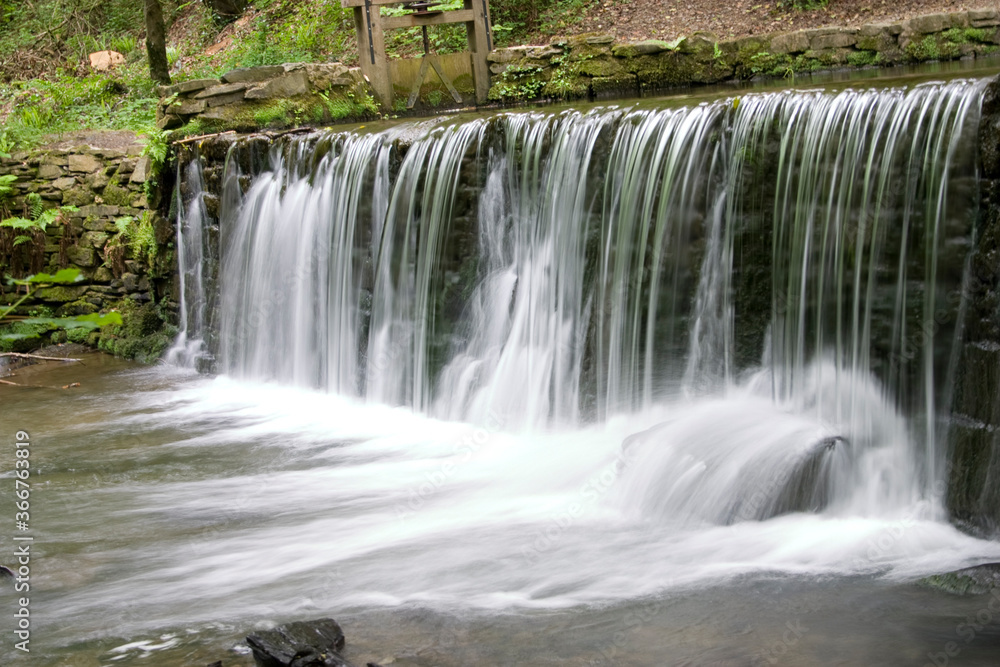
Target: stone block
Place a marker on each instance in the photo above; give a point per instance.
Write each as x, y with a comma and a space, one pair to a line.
840, 38
78, 196
98, 211
924, 25
84, 163
49, 172
543, 52
645, 48
223, 100
287, 85
790, 42
64, 183
984, 18
94, 239
186, 87
185, 107
323, 76
252, 74
141, 172
97, 181
169, 122
509, 55
222, 89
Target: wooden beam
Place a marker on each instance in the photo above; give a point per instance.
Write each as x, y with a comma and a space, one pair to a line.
415, 20
371, 51
347, 4
480, 44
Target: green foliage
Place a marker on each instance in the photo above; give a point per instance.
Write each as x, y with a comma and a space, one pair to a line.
124, 100
138, 235
968, 36
863, 58
7, 187
518, 83
925, 49
60, 277
517, 19
39, 218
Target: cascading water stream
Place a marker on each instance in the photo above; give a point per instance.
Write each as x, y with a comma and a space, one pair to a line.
194, 271
560, 269
550, 372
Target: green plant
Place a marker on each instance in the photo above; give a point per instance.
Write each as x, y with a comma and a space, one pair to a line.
138, 236
39, 218
31, 326
968, 35
863, 58
925, 49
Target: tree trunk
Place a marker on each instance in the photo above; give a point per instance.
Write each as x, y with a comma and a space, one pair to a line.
156, 43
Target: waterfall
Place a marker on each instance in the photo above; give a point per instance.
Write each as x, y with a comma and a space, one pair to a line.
793, 259
194, 270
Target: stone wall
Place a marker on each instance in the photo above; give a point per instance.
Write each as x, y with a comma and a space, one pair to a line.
974, 447
593, 66
272, 96
590, 66
110, 231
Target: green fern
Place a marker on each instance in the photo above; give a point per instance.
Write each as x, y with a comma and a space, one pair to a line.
35, 205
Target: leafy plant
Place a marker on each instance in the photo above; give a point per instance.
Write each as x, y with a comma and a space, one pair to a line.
41, 280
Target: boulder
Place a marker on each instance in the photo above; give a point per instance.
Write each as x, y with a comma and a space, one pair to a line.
790, 42
102, 61
84, 163
287, 85
301, 644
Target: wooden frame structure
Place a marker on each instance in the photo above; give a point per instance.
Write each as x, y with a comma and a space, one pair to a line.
369, 24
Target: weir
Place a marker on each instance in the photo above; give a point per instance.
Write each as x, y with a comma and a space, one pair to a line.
798, 258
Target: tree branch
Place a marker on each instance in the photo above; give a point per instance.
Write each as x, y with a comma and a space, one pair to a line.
22, 355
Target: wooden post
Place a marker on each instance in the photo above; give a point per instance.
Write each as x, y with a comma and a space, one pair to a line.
371, 51
369, 26
480, 44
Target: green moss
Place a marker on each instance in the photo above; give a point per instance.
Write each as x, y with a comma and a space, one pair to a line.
116, 195
925, 49
601, 67
774, 64
143, 334
968, 35
21, 337
518, 83
863, 58
78, 335
61, 293
273, 113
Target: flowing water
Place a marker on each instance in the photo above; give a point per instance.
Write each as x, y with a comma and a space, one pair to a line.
626, 386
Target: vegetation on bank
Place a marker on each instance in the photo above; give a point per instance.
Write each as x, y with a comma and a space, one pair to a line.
48, 87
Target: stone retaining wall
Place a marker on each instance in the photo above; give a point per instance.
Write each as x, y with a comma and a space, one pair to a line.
271, 96
108, 192
585, 66
594, 66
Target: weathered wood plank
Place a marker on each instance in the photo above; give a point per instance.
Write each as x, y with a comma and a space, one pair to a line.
414, 20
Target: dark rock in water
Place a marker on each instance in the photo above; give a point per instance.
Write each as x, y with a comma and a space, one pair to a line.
976, 580
6, 572
300, 644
